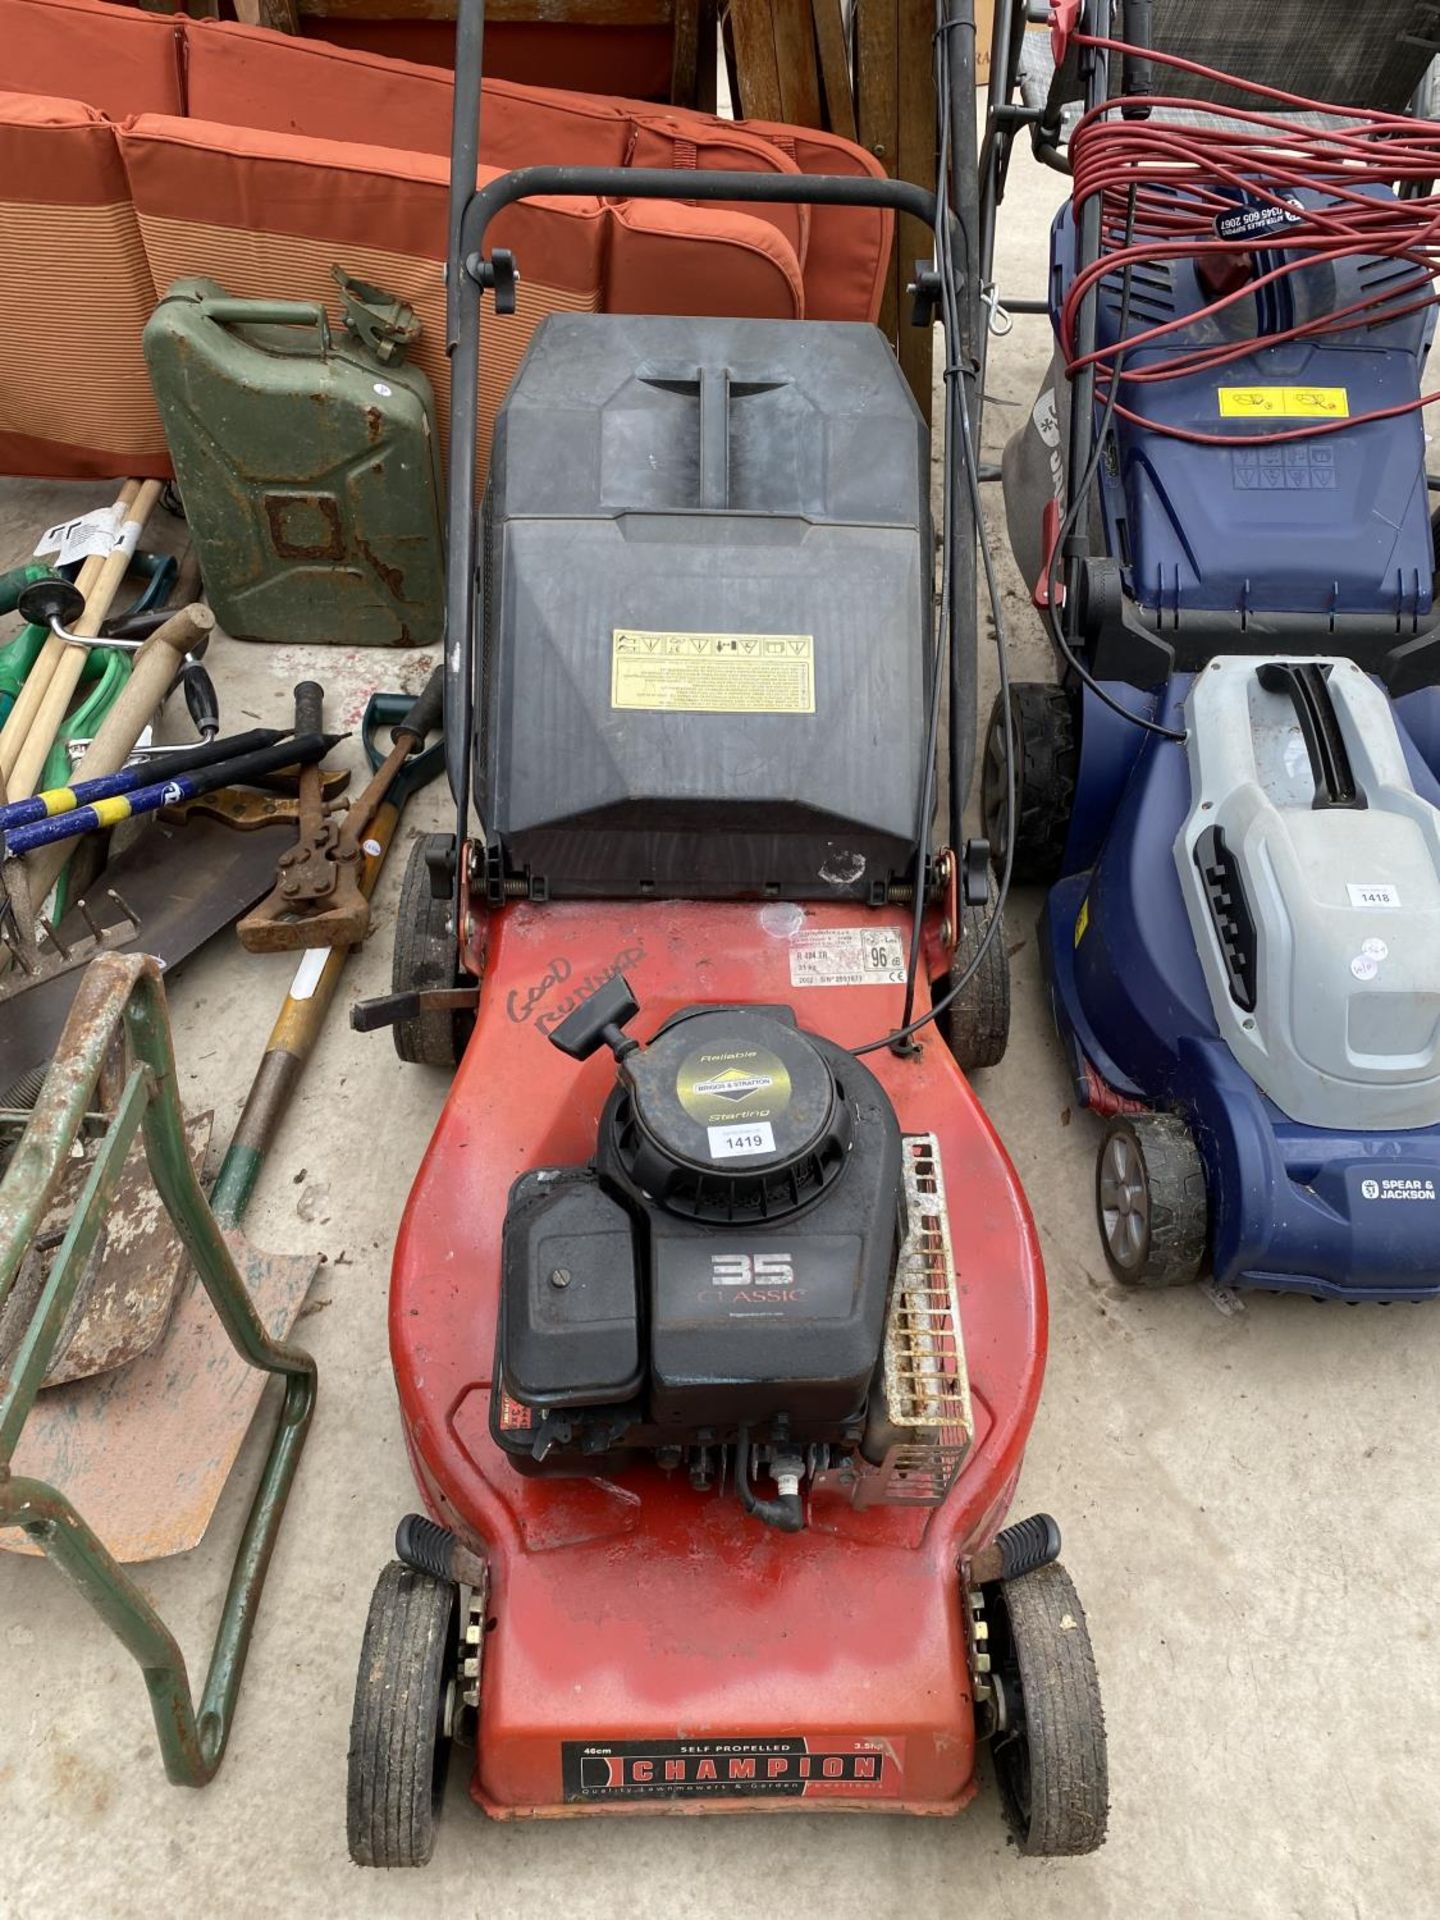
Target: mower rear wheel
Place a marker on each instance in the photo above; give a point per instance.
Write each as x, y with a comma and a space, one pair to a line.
976, 1026
1047, 760
405, 1706
426, 957
1048, 1740
1150, 1201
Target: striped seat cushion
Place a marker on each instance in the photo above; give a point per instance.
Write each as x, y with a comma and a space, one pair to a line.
75, 291
246, 76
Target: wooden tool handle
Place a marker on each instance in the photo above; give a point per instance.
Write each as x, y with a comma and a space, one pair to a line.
21, 717
151, 673
154, 669
24, 776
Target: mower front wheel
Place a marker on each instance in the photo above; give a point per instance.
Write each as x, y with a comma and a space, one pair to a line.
1047, 761
426, 957
976, 1024
1150, 1201
1047, 1741
406, 1700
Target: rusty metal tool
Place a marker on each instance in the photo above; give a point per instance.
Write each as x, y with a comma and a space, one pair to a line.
129, 1465
182, 881
318, 899
292, 1040
305, 870
129, 1284
248, 810
41, 952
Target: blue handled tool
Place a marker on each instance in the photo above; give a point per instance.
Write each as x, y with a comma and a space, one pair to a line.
58, 800
148, 797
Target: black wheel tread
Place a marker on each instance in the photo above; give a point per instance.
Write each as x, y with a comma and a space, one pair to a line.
1064, 1718
424, 956
1046, 765
1179, 1205
977, 1025
408, 1645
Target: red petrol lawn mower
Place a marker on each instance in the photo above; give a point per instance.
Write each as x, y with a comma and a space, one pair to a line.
717, 1313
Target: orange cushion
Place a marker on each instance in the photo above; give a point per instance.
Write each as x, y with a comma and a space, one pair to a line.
671, 139
247, 76
849, 256
250, 77
540, 53
270, 214
115, 58
75, 290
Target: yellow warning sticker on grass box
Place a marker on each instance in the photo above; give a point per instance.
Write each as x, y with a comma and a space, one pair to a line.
1284, 403
712, 672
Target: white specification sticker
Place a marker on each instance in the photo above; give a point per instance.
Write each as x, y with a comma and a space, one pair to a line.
1372, 893
70, 540
848, 957
733, 1142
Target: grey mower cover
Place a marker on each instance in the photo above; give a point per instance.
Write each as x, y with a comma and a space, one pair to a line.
1310, 870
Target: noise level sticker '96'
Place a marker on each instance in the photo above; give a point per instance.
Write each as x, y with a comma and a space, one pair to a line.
1284, 403
848, 957
712, 672
810, 1768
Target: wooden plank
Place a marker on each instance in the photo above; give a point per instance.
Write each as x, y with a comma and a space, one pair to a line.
279, 15
707, 74
757, 71
835, 67
795, 59
685, 57
877, 99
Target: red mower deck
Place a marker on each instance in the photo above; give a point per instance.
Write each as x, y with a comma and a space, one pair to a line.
651, 1648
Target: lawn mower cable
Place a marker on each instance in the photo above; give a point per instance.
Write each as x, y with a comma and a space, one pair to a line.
1252, 232
958, 431
1079, 495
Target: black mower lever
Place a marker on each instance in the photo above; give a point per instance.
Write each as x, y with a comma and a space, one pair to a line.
501, 275
600, 1022
389, 1009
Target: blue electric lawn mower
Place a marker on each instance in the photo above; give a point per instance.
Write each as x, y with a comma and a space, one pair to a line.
1221, 506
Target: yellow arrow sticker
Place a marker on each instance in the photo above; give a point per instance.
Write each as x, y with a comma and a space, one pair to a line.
1284, 403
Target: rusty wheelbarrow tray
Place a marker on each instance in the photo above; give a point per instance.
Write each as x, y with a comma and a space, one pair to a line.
121, 998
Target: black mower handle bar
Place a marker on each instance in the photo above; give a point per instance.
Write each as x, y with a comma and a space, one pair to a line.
678, 183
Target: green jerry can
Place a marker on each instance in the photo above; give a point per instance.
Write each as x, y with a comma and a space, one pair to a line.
308, 466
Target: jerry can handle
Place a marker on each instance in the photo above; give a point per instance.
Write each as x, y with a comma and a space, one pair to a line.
270, 313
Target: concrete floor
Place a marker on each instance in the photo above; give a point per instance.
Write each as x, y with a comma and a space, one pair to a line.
1246, 1494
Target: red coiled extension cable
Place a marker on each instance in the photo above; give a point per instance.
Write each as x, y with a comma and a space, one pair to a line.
1160, 191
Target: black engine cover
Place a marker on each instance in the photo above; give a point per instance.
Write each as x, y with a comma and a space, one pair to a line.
630, 1324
